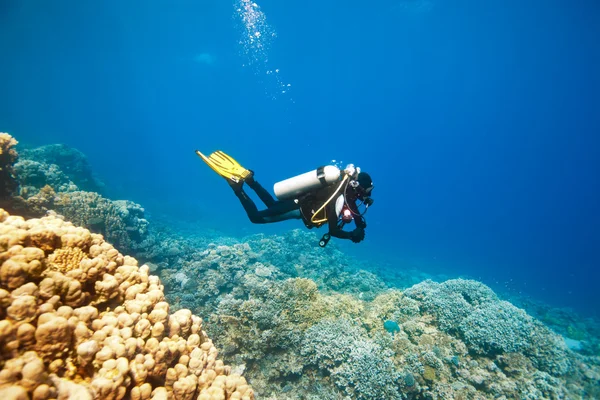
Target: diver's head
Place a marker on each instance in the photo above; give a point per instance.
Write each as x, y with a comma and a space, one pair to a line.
365, 185
361, 188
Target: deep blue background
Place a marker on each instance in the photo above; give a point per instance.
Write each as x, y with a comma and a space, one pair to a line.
479, 121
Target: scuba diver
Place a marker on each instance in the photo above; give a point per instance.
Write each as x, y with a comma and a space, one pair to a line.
326, 195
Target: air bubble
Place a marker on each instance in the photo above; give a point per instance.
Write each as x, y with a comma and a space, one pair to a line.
257, 37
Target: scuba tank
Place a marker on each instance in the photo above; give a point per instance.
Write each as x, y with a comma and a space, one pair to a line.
300, 187
291, 188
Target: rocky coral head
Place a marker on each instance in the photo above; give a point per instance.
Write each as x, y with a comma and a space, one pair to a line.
79, 320
72, 162
8, 156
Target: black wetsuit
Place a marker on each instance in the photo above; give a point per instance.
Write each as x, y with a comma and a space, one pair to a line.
282, 210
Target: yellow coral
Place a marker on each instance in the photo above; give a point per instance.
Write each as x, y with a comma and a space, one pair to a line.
83, 321
7, 142
66, 259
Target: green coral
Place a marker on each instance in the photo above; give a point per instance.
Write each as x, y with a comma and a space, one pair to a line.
429, 374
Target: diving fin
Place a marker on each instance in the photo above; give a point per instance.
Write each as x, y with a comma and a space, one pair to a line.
225, 166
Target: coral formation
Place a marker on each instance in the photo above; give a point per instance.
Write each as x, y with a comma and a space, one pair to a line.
452, 301
359, 367
497, 327
62, 167
8, 156
490, 326
52, 178
368, 372
34, 175
121, 222
80, 320
293, 335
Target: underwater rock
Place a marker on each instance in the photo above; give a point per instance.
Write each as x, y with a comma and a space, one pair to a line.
80, 320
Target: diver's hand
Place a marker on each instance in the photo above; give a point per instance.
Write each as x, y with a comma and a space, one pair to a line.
357, 235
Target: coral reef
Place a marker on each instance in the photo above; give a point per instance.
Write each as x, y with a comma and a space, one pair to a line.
34, 175
62, 167
580, 334
51, 178
80, 320
299, 322
121, 222
223, 267
359, 367
8, 156
490, 326
293, 334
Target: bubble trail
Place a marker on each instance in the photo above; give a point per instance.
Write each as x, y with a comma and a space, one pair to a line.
257, 38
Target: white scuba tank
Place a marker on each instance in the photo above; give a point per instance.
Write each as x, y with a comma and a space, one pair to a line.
291, 188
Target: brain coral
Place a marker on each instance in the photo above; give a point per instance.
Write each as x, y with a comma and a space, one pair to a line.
80, 320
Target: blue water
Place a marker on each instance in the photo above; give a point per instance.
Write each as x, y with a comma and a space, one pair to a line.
479, 121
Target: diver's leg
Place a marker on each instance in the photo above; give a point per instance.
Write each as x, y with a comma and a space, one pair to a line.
281, 211
248, 205
262, 193
278, 211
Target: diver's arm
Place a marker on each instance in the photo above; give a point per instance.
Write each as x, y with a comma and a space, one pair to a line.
356, 235
336, 231
359, 221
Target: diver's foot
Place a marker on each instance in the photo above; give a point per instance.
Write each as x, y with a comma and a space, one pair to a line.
237, 182
249, 179
236, 185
